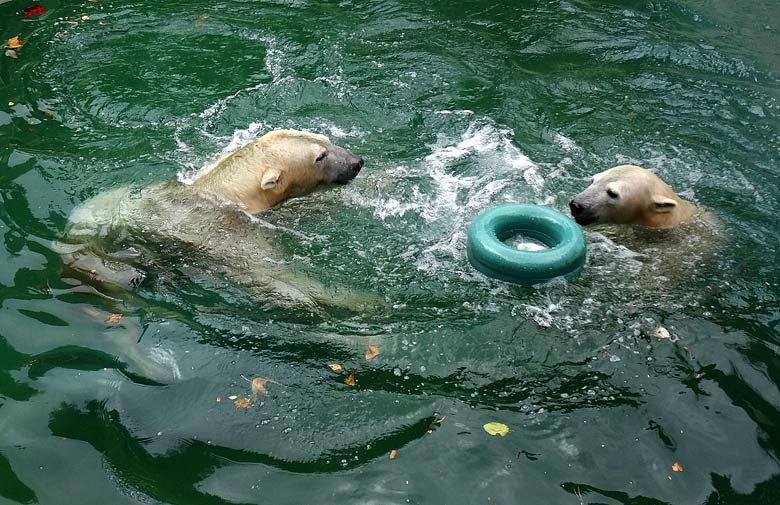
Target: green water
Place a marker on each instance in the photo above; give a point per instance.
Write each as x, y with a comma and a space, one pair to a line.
456, 107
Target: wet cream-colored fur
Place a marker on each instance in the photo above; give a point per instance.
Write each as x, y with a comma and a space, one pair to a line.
117, 234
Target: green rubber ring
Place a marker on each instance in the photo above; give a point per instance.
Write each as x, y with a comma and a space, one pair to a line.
489, 254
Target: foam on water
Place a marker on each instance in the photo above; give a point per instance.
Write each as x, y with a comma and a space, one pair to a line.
239, 139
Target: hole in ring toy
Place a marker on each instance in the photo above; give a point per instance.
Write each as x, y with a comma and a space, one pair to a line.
488, 253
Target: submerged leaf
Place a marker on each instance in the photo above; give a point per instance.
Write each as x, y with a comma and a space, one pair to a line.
258, 385
335, 367
350, 381
14, 43
372, 352
677, 467
11, 54
114, 318
393, 453
496, 429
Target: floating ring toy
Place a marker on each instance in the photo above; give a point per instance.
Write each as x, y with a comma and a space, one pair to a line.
489, 254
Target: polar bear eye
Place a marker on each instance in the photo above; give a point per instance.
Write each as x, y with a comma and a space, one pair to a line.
321, 156
612, 193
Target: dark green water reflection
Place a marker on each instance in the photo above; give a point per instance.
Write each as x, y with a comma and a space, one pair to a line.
456, 107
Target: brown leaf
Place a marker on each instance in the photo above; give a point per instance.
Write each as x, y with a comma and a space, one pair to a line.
372, 352
677, 467
258, 385
335, 367
11, 54
14, 43
393, 453
73, 23
241, 403
350, 381
47, 114
114, 318
85, 18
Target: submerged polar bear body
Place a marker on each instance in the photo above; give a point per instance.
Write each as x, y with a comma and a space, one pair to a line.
116, 234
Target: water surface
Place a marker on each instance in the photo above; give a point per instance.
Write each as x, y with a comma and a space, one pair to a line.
456, 107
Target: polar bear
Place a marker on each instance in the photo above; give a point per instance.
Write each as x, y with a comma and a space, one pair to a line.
117, 234
628, 194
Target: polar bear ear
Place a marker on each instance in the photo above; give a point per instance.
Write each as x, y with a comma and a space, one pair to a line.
663, 203
270, 179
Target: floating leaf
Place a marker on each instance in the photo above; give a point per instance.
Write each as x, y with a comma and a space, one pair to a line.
85, 18
258, 385
660, 333
11, 54
372, 352
73, 23
114, 318
33, 10
335, 367
496, 429
232, 397
677, 467
393, 454
440, 420
241, 403
11, 104
350, 381
14, 43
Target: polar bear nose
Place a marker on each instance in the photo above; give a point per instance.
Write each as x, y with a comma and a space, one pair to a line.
358, 164
576, 207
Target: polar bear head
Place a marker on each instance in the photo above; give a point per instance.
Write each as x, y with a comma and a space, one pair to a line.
628, 194
277, 166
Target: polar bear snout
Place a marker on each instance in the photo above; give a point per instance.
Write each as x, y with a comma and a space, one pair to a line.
341, 166
581, 214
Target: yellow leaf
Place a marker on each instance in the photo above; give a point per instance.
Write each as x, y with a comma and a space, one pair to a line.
677, 467
496, 429
350, 381
11, 104
335, 367
114, 318
14, 43
372, 352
